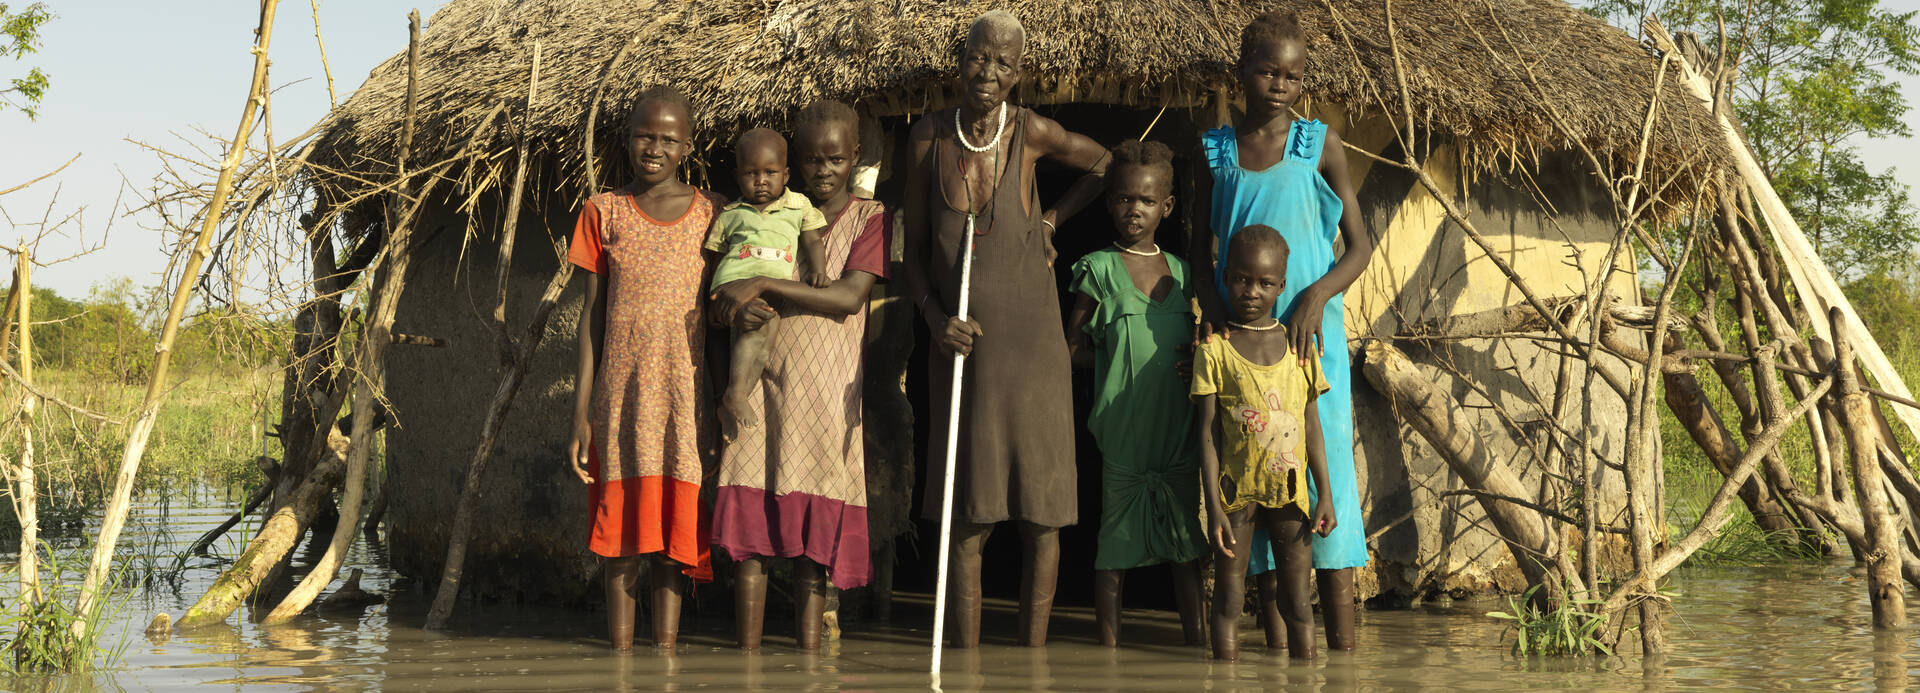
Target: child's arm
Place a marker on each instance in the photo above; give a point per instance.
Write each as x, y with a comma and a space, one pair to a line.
813, 250
1323, 519
1200, 259
592, 332
718, 315
1219, 530
844, 296
1079, 343
1312, 303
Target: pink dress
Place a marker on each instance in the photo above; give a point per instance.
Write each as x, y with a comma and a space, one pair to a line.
648, 401
796, 485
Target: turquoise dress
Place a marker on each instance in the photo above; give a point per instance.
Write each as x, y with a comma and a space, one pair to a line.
1149, 473
1293, 198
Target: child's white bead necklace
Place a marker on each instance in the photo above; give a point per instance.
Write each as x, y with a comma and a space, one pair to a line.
962, 132
1141, 253
1245, 326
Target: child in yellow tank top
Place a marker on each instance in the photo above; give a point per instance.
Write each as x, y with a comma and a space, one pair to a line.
1259, 396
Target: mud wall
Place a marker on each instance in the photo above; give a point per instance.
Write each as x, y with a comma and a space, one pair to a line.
1424, 269
530, 536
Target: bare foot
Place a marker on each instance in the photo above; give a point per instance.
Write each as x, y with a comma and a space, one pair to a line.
736, 415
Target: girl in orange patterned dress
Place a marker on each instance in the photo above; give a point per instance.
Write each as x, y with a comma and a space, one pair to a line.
636, 438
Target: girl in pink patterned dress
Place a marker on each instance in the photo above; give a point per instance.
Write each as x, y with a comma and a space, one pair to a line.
795, 487
639, 406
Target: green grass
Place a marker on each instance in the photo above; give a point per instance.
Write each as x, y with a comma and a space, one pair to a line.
1566, 630
39, 637
1691, 480
209, 431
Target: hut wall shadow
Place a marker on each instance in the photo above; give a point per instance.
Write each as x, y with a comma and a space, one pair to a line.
529, 540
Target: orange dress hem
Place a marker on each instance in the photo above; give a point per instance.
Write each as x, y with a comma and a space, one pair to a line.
628, 517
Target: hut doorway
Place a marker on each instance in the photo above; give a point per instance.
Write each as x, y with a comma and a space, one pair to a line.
1090, 230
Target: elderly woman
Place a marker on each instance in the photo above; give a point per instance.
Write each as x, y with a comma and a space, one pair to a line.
971, 168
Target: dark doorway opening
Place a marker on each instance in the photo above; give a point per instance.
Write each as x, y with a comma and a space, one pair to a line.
1090, 230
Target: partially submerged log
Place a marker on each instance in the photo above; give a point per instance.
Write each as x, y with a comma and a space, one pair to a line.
350, 595
278, 536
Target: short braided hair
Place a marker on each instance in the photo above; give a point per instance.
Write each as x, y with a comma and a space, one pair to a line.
1147, 154
827, 112
1271, 29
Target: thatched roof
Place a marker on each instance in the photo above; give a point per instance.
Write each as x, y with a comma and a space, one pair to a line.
756, 61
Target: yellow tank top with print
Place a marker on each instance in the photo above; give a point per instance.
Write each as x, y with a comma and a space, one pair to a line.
1262, 416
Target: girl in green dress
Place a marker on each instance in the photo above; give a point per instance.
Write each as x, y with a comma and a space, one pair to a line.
1131, 316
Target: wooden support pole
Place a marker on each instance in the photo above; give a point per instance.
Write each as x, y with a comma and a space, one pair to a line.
26, 490
516, 355
1690, 407
469, 504
503, 265
1883, 551
1811, 278
1715, 517
369, 361
120, 501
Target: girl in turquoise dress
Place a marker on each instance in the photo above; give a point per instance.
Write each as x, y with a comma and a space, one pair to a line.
1131, 317
1291, 174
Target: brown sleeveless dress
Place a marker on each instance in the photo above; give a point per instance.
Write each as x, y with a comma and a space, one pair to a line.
1016, 453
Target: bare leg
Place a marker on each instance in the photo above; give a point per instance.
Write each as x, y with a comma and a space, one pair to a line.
810, 602
668, 586
622, 577
1336, 606
749, 601
1293, 552
1186, 594
1230, 587
749, 361
968, 540
1269, 586
1039, 576
1107, 585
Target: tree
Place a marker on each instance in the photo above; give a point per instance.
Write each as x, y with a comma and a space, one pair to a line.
1814, 79
20, 36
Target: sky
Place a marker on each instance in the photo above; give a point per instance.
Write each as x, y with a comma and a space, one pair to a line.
157, 71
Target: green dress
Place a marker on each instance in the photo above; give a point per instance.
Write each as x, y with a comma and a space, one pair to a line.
1141, 418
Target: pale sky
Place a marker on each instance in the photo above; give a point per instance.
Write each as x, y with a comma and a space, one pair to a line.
151, 70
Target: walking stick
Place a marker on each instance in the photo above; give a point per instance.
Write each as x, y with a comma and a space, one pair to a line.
953, 449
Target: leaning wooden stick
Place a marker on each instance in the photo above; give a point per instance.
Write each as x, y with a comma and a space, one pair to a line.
953, 453
114, 518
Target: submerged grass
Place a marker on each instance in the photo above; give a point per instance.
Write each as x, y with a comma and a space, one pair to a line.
1569, 629
210, 428
38, 636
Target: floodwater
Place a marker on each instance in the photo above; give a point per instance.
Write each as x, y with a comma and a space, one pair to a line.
1802, 626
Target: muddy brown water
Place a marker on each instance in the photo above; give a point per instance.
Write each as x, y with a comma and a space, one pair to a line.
1803, 626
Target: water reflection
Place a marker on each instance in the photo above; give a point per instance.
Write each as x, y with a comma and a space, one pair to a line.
1807, 626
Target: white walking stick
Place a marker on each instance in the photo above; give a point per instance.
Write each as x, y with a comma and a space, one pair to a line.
953, 449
